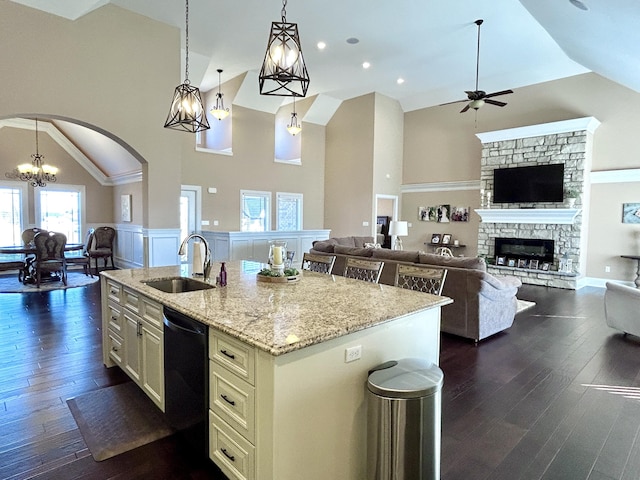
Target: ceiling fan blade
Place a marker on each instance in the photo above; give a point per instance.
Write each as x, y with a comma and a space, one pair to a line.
457, 101
496, 94
465, 108
494, 102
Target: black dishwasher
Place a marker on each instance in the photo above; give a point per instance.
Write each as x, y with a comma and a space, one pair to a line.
186, 371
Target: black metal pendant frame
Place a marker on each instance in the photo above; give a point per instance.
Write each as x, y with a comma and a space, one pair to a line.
281, 79
187, 111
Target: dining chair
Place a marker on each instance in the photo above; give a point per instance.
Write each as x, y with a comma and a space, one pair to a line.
421, 278
50, 255
367, 270
102, 247
318, 263
83, 258
29, 234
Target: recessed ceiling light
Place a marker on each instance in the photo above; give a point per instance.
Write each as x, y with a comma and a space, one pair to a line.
366, 65
352, 40
321, 45
400, 81
579, 4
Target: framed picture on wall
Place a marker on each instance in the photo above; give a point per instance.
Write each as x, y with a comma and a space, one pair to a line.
511, 262
546, 266
533, 264
435, 238
460, 214
631, 213
446, 239
522, 263
423, 214
443, 213
125, 207
501, 261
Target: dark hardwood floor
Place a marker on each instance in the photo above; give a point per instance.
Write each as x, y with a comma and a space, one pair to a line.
521, 405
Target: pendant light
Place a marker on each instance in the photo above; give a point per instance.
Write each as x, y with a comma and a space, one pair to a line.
187, 110
219, 111
36, 173
294, 128
283, 71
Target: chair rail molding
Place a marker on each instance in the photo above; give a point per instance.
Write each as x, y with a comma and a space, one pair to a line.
559, 216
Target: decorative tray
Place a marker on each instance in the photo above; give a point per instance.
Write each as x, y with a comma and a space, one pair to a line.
282, 279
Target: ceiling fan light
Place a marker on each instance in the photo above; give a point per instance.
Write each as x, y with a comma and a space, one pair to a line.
476, 104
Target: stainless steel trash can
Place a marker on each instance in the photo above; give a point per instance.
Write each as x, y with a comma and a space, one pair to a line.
404, 420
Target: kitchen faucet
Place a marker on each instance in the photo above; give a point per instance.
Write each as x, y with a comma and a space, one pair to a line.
206, 266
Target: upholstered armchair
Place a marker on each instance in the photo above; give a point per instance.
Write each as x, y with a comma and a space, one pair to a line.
621, 307
102, 246
50, 255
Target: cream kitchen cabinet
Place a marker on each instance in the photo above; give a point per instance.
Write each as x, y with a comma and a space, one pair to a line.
133, 337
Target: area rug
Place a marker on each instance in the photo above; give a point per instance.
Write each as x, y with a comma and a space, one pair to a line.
524, 305
117, 419
11, 284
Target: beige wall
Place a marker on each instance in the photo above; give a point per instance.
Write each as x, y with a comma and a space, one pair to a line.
112, 69
16, 147
252, 167
441, 146
348, 185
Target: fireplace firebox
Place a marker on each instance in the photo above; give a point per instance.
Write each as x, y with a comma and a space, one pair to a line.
524, 248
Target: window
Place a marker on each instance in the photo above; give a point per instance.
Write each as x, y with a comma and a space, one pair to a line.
59, 209
11, 215
255, 210
289, 211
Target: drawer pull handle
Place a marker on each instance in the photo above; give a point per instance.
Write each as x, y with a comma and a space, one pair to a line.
115, 349
114, 319
227, 354
230, 402
230, 457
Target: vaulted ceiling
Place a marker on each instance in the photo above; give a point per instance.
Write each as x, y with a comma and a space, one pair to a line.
430, 45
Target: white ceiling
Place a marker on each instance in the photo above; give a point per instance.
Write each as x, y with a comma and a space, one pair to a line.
430, 44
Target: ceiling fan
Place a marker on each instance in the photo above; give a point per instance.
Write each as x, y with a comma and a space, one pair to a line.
477, 98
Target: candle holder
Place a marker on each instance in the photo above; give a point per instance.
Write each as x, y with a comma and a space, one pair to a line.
277, 255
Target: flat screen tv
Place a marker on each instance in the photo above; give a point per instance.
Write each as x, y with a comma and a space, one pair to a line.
535, 184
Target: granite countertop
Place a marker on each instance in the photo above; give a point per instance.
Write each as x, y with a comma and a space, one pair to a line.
280, 318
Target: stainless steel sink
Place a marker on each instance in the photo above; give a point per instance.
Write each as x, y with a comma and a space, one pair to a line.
178, 285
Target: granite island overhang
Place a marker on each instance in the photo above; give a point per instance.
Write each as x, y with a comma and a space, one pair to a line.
281, 318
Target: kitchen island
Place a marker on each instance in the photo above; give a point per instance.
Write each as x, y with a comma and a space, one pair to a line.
297, 408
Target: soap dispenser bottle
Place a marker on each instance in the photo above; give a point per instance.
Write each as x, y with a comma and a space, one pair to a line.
223, 275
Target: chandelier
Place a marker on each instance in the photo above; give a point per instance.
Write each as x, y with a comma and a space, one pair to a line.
187, 111
219, 111
283, 71
294, 128
37, 173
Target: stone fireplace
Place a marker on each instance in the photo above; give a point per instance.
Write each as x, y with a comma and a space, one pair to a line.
556, 227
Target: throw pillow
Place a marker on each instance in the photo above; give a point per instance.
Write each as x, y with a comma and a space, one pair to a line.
372, 245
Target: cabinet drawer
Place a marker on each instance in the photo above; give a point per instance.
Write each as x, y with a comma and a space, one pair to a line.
115, 347
232, 453
115, 318
131, 300
232, 399
114, 291
151, 312
233, 355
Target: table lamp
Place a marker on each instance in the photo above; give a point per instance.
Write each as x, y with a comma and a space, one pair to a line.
398, 229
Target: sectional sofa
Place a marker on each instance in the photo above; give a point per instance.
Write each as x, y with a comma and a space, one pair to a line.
483, 304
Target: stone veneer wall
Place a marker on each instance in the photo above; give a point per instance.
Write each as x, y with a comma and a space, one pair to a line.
572, 149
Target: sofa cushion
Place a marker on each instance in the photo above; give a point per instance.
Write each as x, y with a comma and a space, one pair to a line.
474, 263
398, 255
324, 245
358, 251
360, 241
346, 241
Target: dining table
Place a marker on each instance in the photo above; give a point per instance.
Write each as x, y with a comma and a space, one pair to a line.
29, 252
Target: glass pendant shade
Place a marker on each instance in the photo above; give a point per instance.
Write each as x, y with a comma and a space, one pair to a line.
219, 111
283, 71
294, 128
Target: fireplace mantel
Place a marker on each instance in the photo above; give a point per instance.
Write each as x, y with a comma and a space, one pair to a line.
559, 216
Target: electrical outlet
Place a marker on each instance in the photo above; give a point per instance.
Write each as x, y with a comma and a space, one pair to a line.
216, 223
365, 224
607, 269
352, 354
